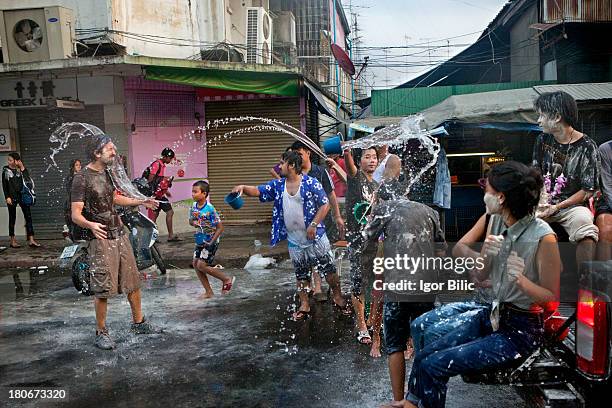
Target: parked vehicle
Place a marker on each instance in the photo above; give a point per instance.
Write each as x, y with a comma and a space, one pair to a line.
573, 368
143, 235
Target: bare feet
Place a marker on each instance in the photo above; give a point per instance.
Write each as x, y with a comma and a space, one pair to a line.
14, 244
375, 350
206, 296
409, 352
395, 404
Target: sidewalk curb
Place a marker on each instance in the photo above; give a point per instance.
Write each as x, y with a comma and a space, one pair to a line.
227, 260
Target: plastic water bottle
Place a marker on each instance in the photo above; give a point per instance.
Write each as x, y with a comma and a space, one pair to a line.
257, 245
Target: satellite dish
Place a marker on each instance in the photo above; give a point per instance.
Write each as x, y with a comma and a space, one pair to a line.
343, 59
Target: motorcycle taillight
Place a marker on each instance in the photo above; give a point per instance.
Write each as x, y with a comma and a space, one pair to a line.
591, 334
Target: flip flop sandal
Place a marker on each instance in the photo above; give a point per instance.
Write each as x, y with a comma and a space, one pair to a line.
300, 315
363, 337
227, 286
175, 239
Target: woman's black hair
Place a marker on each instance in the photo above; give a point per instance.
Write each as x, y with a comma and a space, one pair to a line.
15, 155
520, 184
72, 163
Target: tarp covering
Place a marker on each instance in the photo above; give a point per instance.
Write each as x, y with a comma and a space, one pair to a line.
514, 105
272, 83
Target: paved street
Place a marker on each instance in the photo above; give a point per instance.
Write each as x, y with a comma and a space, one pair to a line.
239, 350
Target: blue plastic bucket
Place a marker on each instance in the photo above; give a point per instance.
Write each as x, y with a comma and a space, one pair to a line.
333, 145
234, 200
361, 211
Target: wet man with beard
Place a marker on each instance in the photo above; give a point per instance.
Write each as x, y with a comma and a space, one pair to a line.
112, 264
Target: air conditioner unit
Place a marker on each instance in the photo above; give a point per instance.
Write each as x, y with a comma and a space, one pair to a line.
38, 34
259, 36
284, 29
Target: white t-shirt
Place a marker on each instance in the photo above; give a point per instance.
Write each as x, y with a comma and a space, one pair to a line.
293, 211
380, 170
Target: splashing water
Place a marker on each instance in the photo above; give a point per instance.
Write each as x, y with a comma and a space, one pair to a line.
122, 182
398, 136
394, 135
65, 132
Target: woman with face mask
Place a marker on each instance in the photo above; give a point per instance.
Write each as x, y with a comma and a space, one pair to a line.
521, 259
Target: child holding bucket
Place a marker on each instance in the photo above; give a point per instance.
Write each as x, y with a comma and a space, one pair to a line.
205, 218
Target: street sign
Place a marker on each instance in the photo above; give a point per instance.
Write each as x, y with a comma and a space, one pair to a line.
6, 143
66, 104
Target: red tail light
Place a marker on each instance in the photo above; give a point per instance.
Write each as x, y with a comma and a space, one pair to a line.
591, 334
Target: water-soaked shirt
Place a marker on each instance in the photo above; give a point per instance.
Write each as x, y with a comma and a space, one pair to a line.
312, 195
412, 230
206, 219
359, 189
95, 189
576, 161
524, 238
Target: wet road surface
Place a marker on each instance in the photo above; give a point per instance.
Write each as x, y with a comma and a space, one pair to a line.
236, 350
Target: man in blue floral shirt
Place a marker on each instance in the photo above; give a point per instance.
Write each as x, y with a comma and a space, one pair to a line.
300, 205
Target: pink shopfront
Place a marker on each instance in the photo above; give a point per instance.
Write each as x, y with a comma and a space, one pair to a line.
160, 115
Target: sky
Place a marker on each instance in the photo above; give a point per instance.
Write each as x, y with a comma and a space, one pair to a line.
420, 25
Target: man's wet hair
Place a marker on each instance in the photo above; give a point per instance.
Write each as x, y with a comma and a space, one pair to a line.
299, 145
558, 103
203, 186
95, 145
15, 155
293, 159
377, 128
520, 184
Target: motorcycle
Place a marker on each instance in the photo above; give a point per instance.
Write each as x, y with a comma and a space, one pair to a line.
143, 236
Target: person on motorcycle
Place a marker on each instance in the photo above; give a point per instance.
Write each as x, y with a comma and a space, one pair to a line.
521, 258
113, 266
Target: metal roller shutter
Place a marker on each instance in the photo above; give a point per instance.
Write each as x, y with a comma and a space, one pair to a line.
247, 158
34, 130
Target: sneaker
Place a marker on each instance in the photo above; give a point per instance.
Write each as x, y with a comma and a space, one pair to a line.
104, 341
144, 327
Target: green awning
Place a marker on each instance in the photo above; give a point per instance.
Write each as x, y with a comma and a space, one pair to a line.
273, 83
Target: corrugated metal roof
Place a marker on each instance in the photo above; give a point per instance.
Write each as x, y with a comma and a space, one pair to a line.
576, 11
580, 92
407, 101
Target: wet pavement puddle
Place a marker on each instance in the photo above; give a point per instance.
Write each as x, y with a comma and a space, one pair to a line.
236, 350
